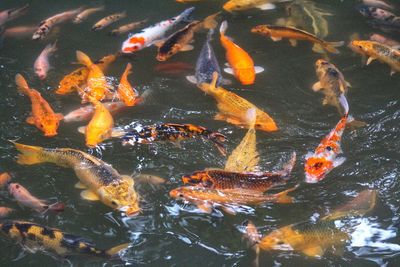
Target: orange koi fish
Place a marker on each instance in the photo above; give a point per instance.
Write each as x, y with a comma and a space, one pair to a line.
126, 92
100, 126
293, 34
241, 64
78, 77
234, 108
324, 159
96, 81
43, 116
5, 178
4, 212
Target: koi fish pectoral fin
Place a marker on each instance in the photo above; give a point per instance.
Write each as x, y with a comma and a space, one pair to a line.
276, 39
229, 210
205, 207
313, 251
266, 6
317, 86
191, 79
258, 69
82, 129
229, 71
80, 185
89, 195
30, 120
370, 59
186, 48
339, 161
293, 42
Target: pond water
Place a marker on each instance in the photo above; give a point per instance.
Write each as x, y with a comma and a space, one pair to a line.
169, 232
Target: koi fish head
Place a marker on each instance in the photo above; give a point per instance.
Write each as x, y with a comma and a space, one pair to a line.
41, 73
361, 47
133, 44
121, 196
246, 76
279, 239
96, 135
49, 125
261, 29
265, 123
164, 55
316, 168
235, 5
14, 189
198, 178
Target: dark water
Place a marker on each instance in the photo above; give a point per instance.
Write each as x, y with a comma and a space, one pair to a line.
170, 233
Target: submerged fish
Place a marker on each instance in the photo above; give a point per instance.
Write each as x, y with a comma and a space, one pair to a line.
325, 158
374, 50
173, 68
255, 181
104, 22
332, 84
206, 65
376, 13
86, 113
42, 64
22, 196
43, 116
233, 108
99, 179
127, 27
37, 237
180, 40
86, 13
384, 40
172, 132
78, 77
206, 199
12, 13
46, 25
379, 4
4, 212
240, 62
19, 31
245, 157
240, 5
150, 35
96, 81
293, 34
126, 93
5, 179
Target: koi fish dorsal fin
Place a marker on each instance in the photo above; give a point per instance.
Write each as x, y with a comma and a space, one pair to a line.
114, 251
223, 27
251, 117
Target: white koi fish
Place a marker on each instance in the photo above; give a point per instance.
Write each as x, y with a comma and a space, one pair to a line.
42, 64
150, 35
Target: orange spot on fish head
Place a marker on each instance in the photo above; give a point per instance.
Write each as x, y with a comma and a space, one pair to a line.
246, 76
316, 168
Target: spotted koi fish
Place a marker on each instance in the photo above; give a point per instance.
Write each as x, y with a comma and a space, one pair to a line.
36, 237
150, 35
324, 159
12, 13
101, 24
172, 132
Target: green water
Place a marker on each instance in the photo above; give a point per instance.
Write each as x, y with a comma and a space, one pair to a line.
168, 232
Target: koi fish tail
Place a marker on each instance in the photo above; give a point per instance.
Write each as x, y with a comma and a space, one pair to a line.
253, 239
218, 140
211, 21
83, 58
331, 46
210, 88
184, 16
29, 154
51, 48
56, 207
344, 105
353, 123
128, 70
223, 27
251, 117
209, 35
22, 84
114, 251
283, 197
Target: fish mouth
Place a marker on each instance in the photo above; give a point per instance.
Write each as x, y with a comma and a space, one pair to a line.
312, 179
161, 58
130, 211
51, 134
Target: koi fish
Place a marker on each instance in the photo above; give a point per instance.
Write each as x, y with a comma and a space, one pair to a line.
100, 126
126, 92
127, 27
12, 13
254, 181
333, 85
5, 179
240, 5
381, 52
99, 179
86, 13
96, 81
324, 159
43, 116
46, 25
233, 108
384, 40
173, 68
206, 65
19, 31
150, 35
104, 22
293, 34
86, 113
180, 40
37, 237
245, 157
229, 200
375, 13
42, 64
78, 77
379, 4
172, 132
23, 197
240, 62
312, 238
4, 212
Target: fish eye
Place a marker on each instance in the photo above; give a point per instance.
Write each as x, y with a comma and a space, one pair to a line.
180, 195
329, 148
280, 242
114, 203
317, 165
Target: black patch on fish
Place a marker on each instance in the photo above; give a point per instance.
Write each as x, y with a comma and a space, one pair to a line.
23, 228
48, 232
6, 226
333, 72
